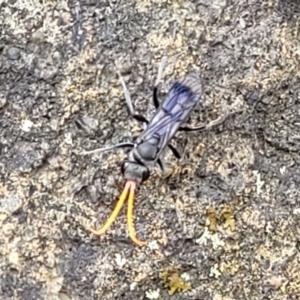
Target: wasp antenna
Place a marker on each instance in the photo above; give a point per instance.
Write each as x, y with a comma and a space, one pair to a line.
115, 212
130, 216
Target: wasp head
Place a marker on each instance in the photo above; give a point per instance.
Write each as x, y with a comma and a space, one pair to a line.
134, 171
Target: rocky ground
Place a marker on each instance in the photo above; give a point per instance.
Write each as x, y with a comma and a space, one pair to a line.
225, 225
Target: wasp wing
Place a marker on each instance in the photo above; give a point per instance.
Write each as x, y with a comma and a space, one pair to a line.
174, 110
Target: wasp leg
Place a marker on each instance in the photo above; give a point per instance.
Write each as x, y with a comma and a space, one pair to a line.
166, 172
126, 94
161, 165
158, 78
130, 108
140, 118
197, 128
155, 99
174, 151
121, 145
211, 124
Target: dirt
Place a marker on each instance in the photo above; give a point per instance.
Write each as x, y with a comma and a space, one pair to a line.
227, 220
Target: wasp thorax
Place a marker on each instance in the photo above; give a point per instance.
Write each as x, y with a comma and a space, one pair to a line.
148, 150
135, 171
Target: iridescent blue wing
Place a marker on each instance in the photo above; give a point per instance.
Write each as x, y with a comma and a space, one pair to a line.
174, 110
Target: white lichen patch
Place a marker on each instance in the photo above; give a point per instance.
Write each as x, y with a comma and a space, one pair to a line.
259, 183
120, 261
153, 294
214, 271
153, 245
27, 125
213, 237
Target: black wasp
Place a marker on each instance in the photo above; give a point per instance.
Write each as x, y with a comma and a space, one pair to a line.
148, 147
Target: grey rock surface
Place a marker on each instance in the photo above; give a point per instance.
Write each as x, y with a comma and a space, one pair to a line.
60, 94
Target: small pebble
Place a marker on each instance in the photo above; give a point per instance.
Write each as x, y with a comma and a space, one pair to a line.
38, 37
2, 102
13, 53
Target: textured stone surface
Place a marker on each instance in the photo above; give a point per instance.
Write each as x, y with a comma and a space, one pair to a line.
60, 94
